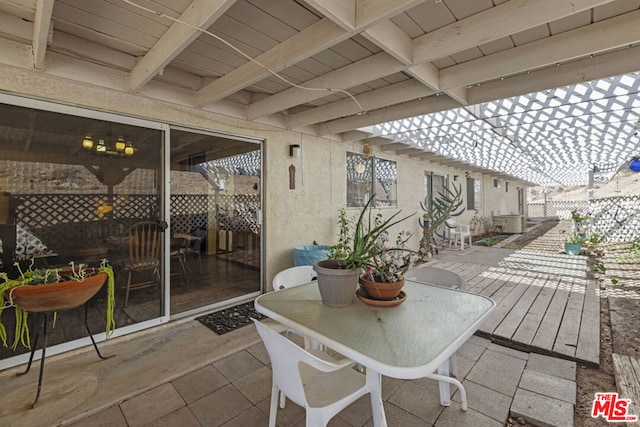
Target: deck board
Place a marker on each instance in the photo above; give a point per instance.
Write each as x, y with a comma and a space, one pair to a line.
533, 318
544, 301
588, 342
567, 338
507, 328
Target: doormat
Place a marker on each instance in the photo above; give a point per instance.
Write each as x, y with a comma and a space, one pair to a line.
230, 319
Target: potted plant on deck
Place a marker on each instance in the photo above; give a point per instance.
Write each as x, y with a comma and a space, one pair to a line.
356, 249
573, 244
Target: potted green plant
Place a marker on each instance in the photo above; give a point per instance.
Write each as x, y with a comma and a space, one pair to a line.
573, 244
37, 290
580, 221
356, 248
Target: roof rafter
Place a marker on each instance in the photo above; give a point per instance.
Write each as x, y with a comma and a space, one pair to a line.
199, 14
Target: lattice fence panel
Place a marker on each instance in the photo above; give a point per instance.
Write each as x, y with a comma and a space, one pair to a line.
237, 212
560, 209
188, 212
37, 210
617, 218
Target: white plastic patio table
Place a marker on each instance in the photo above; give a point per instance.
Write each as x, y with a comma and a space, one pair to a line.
411, 340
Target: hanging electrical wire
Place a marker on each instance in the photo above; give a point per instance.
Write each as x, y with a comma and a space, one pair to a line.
274, 73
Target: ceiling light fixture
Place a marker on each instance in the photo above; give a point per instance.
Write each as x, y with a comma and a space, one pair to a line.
118, 147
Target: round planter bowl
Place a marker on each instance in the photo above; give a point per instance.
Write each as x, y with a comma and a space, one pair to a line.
381, 291
57, 296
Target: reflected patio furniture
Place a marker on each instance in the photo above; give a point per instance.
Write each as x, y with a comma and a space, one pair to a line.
144, 256
193, 246
458, 231
177, 254
322, 385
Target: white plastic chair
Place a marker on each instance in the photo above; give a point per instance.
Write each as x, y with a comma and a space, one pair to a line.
458, 231
323, 386
440, 277
294, 276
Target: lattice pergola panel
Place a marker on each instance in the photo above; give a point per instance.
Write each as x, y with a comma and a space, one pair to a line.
553, 137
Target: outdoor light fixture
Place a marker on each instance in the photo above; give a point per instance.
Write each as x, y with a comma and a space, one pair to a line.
634, 164
295, 150
118, 148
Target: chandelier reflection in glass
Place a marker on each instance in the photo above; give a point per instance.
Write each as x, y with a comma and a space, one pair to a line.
105, 147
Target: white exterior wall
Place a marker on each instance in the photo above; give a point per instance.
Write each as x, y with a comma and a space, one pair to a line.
291, 217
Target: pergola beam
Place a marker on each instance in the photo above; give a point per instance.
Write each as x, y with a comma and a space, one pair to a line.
492, 24
199, 14
41, 31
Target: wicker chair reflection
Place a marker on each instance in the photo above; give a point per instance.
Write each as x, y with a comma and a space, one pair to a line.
144, 256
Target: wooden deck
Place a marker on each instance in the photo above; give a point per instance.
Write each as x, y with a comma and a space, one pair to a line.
545, 301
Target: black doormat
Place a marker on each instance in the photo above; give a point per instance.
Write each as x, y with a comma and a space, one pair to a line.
230, 319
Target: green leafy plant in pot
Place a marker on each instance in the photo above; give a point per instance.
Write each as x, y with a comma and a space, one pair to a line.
355, 251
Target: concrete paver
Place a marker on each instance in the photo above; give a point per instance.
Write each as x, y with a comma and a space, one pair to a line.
548, 385
542, 410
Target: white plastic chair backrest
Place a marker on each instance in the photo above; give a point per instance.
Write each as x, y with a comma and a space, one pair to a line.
451, 224
294, 276
436, 276
285, 363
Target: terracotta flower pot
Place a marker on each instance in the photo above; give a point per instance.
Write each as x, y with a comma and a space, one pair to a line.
381, 291
57, 296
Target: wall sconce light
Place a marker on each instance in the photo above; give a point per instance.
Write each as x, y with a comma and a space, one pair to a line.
634, 164
295, 150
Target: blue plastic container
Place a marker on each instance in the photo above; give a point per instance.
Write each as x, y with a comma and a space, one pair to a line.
309, 254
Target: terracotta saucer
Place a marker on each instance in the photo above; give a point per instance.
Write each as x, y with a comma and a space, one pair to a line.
362, 296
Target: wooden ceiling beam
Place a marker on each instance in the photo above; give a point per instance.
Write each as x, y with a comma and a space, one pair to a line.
306, 43
605, 35
42, 31
494, 23
389, 95
585, 70
199, 14
396, 112
367, 69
